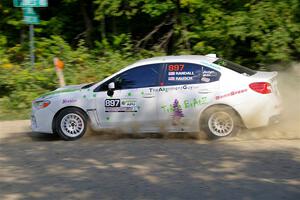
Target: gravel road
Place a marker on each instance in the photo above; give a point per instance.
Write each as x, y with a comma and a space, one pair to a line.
102, 166
260, 164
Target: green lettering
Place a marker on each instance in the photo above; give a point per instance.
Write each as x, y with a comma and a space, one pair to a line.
186, 104
164, 108
195, 102
203, 100
179, 106
171, 108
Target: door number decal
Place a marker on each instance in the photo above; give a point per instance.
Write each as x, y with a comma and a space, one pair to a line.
112, 103
118, 105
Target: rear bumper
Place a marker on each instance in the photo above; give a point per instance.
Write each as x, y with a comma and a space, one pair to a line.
275, 119
260, 113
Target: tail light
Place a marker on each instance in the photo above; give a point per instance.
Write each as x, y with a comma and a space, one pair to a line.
261, 87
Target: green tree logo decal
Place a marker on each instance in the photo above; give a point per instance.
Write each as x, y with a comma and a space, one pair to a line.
177, 113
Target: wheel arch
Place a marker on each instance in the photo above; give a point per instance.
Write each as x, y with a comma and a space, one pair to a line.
221, 105
59, 111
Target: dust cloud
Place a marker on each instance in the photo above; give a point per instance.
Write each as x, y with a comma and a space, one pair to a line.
289, 125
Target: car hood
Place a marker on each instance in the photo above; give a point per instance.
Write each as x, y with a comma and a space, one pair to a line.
71, 87
66, 89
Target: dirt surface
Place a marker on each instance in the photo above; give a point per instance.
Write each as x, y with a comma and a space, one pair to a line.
257, 164
34, 166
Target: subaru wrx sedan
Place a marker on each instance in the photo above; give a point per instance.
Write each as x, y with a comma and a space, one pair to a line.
164, 94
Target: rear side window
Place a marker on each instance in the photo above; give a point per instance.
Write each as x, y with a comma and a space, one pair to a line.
189, 73
235, 67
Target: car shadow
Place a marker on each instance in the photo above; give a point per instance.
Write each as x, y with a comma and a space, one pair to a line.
271, 132
42, 136
113, 135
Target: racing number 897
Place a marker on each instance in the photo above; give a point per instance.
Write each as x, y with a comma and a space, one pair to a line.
175, 68
112, 103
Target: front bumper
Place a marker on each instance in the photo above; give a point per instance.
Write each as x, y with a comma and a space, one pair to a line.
41, 120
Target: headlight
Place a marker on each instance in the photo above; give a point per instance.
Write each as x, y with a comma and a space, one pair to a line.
41, 104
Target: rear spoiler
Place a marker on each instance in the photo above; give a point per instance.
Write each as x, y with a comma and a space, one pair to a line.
265, 75
212, 55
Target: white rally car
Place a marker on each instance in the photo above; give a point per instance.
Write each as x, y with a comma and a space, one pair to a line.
164, 94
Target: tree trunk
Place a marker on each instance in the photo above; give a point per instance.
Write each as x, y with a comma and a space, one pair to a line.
88, 23
176, 19
102, 28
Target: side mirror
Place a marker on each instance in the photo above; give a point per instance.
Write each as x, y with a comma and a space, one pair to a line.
111, 88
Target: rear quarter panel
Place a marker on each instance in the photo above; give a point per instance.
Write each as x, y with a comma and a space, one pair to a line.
235, 93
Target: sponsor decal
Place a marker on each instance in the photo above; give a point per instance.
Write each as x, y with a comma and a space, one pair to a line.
187, 104
184, 78
161, 89
64, 101
128, 102
177, 113
209, 73
177, 73
180, 78
204, 79
120, 105
167, 89
231, 94
184, 73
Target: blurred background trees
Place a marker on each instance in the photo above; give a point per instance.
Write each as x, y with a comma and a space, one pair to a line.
98, 37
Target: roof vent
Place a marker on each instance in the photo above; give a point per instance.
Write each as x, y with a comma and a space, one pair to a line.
212, 55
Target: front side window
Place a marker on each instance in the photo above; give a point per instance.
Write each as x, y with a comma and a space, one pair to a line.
138, 77
189, 73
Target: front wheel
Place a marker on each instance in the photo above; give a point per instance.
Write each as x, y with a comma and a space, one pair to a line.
220, 121
71, 124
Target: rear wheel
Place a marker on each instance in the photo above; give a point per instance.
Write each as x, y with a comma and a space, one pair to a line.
220, 121
71, 124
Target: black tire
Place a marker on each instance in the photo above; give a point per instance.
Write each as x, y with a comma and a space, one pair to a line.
220, 121
71, 124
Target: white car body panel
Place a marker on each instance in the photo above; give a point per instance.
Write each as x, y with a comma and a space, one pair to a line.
192, 99
141, 106
150, 109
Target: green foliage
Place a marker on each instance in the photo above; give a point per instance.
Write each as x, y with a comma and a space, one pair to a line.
20, 83
95, 38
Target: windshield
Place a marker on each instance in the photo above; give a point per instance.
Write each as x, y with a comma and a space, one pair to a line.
235, 67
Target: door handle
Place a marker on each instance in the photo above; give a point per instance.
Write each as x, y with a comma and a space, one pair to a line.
204, 91
148, 97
